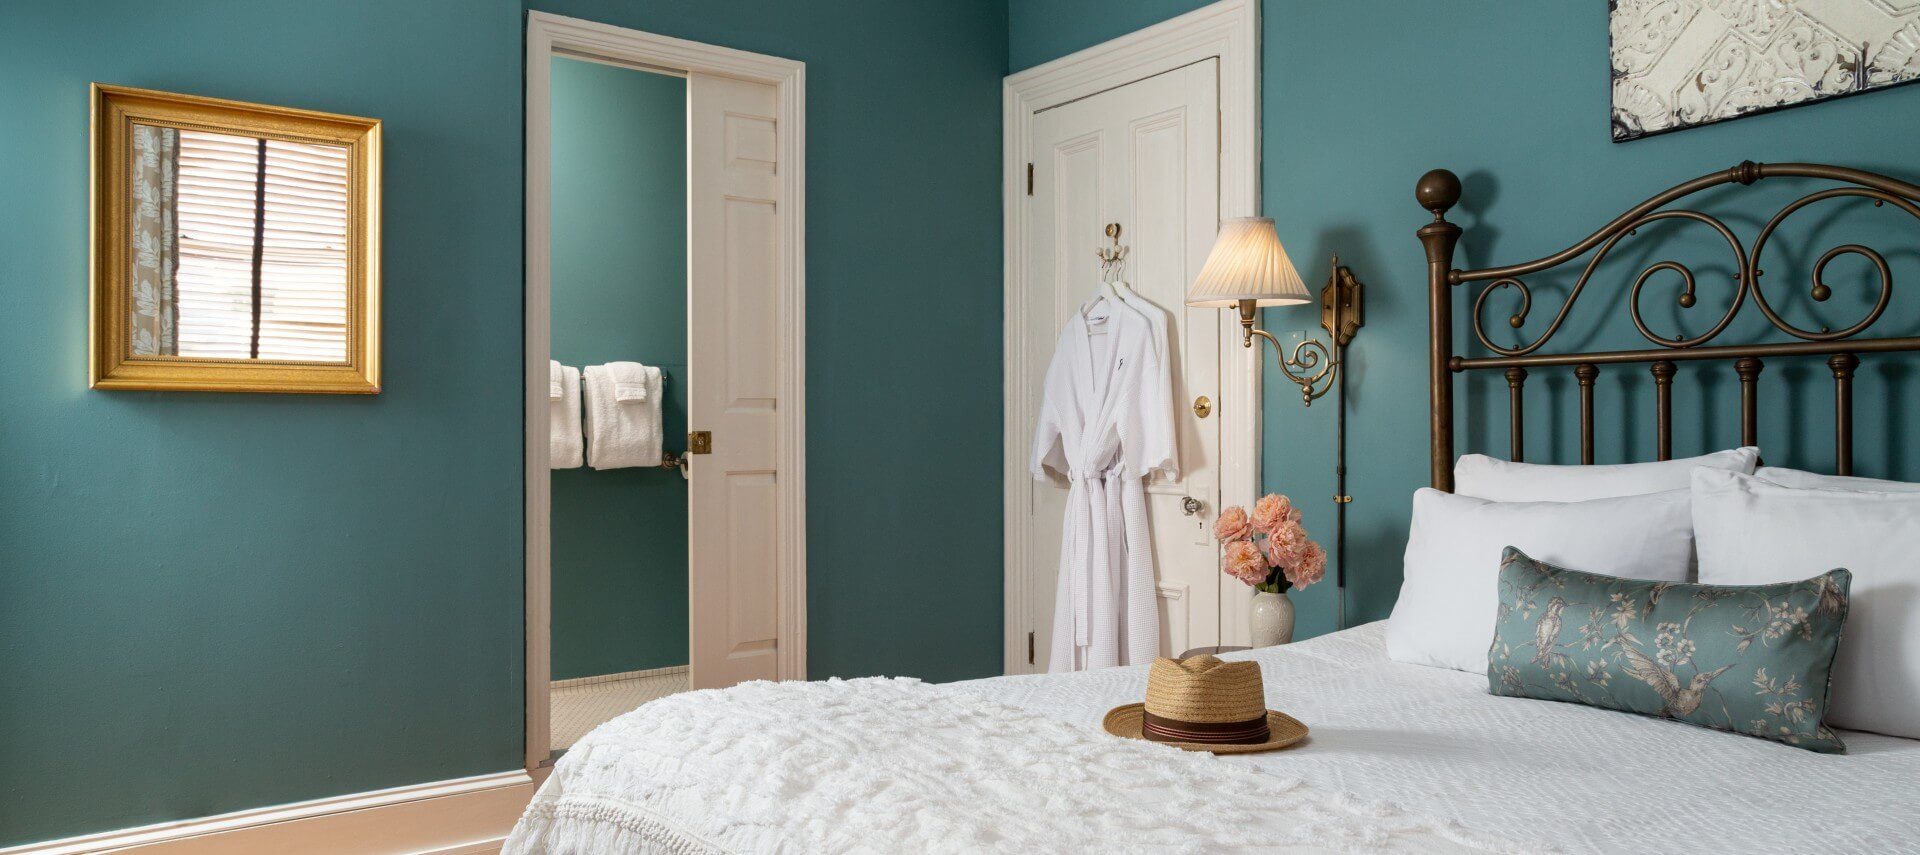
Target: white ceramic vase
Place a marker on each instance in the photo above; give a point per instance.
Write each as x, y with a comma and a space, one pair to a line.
1272, 619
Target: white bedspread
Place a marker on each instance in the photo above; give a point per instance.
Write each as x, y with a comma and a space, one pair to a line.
1582, 779
899, 766
1019, 764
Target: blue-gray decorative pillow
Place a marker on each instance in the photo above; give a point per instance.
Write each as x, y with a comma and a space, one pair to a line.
1751, 659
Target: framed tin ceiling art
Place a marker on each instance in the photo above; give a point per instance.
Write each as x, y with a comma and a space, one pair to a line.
1682, 63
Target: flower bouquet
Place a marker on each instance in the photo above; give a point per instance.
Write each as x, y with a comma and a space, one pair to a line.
1269, 549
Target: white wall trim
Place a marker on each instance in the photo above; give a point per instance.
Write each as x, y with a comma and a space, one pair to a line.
1229, 30
547, 35
458, 815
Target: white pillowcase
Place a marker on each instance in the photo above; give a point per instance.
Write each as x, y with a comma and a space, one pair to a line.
1815, 480
1451, 591
1484, 477
1752, 532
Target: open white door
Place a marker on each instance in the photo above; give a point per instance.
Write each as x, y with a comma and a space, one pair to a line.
746, 378
734, 378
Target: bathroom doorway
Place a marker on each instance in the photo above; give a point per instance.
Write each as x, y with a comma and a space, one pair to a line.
619, 301
665, 372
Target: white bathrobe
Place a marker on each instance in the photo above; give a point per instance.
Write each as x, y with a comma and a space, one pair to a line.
1157, 318
1105, 420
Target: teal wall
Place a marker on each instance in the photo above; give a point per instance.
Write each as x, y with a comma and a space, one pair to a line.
215, 602
1359, 99
620, 293
903, 316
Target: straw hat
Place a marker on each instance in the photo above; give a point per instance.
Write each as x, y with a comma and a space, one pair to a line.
1205, 704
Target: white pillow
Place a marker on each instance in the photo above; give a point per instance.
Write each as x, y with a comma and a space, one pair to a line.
1802, 479
1484, 477
1752, 533
1450, 595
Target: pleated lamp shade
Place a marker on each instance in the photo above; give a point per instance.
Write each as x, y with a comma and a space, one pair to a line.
1247, 263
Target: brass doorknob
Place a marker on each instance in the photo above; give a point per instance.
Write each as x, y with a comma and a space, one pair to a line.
1191, 505
1202, 406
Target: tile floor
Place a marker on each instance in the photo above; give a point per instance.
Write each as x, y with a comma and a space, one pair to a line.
582, 707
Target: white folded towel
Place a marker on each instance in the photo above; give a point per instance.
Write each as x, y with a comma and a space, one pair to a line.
630, 380
621, 433
563, 417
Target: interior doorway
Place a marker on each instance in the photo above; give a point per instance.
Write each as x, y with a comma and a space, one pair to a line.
665, 325
618, 481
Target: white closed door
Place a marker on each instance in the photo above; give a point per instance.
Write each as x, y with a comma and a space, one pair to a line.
734, 220
1147, 156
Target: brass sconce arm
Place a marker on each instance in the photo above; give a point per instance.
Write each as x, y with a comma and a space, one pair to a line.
1311, 364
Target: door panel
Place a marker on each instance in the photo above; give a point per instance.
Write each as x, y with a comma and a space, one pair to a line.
733, 388
1175, 214
1066, 209
1144, 155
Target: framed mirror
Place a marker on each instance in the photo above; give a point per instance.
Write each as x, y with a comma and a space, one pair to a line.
235, 247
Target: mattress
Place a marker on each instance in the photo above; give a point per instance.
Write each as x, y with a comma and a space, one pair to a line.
1577, 778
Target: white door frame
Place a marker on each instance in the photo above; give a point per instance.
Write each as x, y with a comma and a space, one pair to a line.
549, 35
1229, 30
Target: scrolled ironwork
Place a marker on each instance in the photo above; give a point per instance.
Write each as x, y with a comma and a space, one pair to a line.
1687, 299
1820, 290
1516, 319
1748, 274
1439, 191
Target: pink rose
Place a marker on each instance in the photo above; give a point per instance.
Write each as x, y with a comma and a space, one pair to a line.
1274, 512
1281, 553
1285, 543
1243, 561
1232, 525
1308, 566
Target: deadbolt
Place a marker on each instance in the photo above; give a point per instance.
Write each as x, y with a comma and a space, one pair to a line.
699, 442
1202, 406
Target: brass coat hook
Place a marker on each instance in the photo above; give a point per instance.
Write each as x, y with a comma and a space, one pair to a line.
1111, 258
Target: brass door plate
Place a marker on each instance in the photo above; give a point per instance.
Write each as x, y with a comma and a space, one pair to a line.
1202, 406
699, 442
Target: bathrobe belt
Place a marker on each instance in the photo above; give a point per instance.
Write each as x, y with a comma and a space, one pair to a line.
1101, 492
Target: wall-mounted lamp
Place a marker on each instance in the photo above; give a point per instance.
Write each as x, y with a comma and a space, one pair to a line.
1249, 269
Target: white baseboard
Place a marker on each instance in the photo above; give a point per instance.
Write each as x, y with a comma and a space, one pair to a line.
463, 816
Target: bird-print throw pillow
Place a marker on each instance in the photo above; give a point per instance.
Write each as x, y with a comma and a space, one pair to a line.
1751, 659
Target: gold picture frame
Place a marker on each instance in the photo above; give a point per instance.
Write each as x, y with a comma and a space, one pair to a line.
112, 362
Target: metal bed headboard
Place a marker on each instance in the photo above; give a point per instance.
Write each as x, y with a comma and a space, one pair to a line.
1439, 190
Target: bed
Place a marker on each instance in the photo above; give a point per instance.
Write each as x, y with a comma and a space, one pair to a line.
1401, 758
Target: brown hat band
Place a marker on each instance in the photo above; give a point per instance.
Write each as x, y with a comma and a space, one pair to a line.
1221, 733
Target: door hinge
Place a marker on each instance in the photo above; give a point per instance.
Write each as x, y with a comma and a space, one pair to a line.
1029, 179
699, 442
1029, 648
